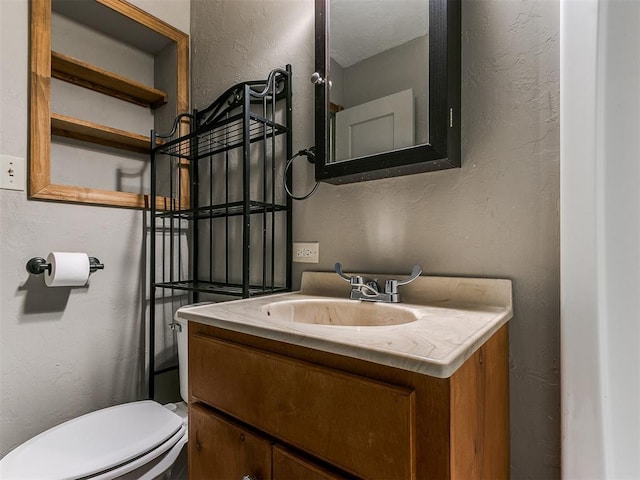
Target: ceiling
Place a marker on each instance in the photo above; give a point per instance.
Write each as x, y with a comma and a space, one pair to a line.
363, 28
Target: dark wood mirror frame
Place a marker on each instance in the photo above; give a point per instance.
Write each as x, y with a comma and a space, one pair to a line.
443, 150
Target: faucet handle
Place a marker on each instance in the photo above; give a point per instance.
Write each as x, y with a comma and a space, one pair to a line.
391, 286
338, 269
357, 281
415, 273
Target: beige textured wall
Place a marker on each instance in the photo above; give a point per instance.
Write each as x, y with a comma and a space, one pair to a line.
497, 216
63, 352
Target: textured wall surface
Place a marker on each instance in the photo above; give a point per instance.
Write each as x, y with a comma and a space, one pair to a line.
497, 216
63, 352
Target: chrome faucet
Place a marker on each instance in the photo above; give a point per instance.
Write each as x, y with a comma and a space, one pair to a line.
368, 289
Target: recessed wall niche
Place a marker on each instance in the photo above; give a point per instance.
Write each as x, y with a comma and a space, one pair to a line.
103, 75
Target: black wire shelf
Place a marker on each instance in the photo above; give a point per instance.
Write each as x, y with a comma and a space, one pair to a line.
223, 163
222, 210
220, 288
221, 137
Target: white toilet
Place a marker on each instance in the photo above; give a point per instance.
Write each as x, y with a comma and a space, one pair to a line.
138, 440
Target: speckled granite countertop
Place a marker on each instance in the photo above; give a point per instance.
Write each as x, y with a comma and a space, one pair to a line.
455, 316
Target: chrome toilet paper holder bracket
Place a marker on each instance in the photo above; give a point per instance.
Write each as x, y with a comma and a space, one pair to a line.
38, 265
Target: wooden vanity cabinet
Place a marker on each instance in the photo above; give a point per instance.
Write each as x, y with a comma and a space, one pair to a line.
303, 413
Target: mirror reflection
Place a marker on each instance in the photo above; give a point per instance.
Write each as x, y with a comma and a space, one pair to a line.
379, 71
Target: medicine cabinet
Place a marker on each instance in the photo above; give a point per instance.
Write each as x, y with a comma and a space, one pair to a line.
387, 94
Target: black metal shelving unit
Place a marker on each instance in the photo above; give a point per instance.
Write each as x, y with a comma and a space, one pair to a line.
220, 223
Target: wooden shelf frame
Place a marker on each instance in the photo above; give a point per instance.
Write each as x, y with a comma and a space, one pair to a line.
72, 70
86, 131
42, 122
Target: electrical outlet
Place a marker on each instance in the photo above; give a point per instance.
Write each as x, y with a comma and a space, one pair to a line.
12, 176
306, 252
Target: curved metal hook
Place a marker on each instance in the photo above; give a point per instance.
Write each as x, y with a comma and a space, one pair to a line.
174, 127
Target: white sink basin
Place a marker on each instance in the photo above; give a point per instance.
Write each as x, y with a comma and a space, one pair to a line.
339, 312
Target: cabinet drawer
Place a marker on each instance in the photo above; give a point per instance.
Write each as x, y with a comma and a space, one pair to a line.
288, 466
362, 426
220, 449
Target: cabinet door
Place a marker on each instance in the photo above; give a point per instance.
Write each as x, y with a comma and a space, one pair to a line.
220, 449
288, 466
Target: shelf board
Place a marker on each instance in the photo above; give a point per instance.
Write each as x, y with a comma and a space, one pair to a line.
231, 209
95, 196
220, 288
72, 70
100, 134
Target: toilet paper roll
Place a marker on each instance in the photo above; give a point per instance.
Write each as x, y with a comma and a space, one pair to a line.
68, 269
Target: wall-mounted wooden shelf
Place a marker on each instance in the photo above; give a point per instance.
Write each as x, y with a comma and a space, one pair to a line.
124, 20
100, 134
72, 70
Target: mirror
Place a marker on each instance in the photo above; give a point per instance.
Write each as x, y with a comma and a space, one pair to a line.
387, 88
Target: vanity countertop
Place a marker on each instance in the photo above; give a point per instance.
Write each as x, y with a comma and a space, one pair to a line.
455, 317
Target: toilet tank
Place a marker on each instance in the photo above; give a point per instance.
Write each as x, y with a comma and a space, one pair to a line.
183, 357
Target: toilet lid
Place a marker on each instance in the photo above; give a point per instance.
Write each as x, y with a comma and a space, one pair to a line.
92, 443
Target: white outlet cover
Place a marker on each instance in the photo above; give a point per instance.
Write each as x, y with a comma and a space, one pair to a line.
306, 252
12, 173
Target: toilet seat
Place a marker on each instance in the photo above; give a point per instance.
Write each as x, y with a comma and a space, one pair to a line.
99, 445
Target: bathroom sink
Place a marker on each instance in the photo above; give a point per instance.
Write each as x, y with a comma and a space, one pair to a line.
440, 323
331, 311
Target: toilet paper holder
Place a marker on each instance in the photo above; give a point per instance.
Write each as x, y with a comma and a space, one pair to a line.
38, 265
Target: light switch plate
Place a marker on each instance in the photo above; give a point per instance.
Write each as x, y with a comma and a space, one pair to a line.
12, 172
306, 252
